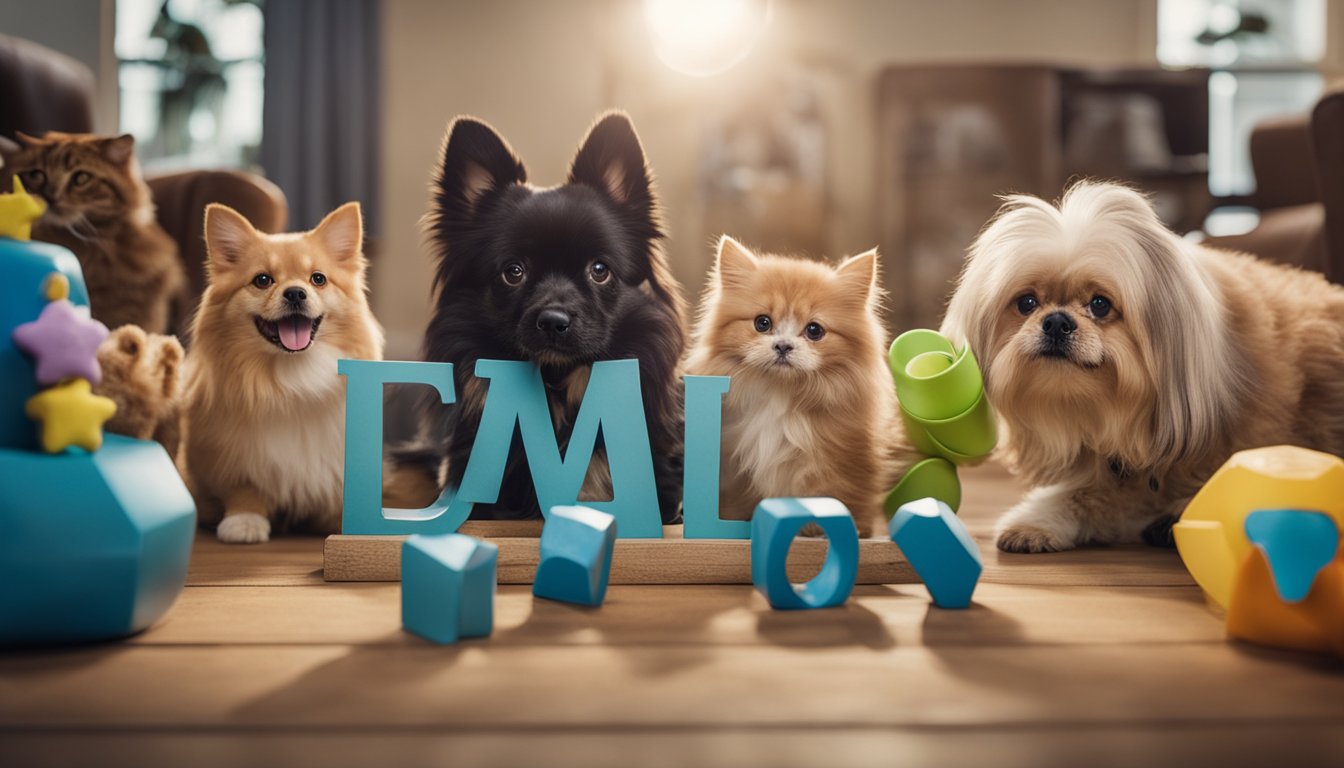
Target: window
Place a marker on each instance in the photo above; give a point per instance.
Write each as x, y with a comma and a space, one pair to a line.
190, 76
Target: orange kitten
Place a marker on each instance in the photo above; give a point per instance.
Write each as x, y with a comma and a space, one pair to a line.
811, 410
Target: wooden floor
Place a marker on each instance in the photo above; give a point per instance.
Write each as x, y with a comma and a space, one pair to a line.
1092, 658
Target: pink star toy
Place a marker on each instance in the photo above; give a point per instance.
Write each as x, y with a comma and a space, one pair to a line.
64, 342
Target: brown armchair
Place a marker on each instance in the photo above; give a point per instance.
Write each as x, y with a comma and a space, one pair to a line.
42, 90
1298, 162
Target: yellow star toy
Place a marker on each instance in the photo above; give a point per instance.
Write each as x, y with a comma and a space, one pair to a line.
18, 212
70, 414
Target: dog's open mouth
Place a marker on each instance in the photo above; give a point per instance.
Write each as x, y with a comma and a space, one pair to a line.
293, 333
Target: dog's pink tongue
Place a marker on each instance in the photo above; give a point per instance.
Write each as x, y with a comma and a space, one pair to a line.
295, 332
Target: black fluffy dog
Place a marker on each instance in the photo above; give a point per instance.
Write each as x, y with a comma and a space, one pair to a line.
563, 277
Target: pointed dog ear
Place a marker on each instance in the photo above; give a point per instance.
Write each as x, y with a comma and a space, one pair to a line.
341, 233
474, 163
611, 160
227, 235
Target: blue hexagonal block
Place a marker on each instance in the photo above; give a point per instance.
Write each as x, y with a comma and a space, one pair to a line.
775, 523
448, 586
576, 547
940, 549
92, 545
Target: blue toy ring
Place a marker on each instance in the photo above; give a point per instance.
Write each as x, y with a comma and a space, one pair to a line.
774, 525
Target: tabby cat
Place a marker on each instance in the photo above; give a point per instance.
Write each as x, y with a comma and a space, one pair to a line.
99, 207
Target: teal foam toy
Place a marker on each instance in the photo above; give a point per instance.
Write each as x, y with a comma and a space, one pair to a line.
448, 587
774, 525
93, 545
947, 416
1297, 544
940, 549
576, 549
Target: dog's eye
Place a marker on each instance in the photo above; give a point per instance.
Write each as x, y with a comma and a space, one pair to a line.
814, 331
1100, 306
80, 178
1026, 304
263, 280
514, 273
600, 272
762, 323
318, 279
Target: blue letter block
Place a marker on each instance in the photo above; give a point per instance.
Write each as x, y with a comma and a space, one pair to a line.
363, 511
775, 523
576, 547
1297, 545
700, 495
448, 587
940, 549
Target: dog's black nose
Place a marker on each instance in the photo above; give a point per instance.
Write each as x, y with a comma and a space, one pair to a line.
295, 295
783, 348
553, 321
1058, 325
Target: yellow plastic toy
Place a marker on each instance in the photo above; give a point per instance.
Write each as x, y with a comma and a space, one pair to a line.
70, 415
1315, 624
18, 212
1211, 534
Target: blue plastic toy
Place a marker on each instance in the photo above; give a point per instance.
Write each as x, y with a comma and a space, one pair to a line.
576, 547
448, 587
940, 549
1297, 545
515, 401
700, 498
774, 525
92, 545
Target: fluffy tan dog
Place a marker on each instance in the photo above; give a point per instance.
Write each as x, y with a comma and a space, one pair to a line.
811, 408
1128, 364
264, 406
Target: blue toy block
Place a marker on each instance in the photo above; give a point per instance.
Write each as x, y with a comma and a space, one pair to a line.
1297, 545
774, 525
700, 480
576, 546
448, 587
940, 549
92, 545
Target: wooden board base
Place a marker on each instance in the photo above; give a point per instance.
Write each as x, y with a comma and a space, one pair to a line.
669, 560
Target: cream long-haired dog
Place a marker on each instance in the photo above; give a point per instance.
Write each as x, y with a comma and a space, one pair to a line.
1127, 364
264, 407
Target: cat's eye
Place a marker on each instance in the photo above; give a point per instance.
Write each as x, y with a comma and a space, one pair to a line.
318, 279
514, 273
763, 324
814, 331
1027, 303
34, 179
600, 272
263, 280
81, 178
1100, 306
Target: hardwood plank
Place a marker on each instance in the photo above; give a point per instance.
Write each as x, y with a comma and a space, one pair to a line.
1067, 746
669, 560
284, 561
673, 617
480, 684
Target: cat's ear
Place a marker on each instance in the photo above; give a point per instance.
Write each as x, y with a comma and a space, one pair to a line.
474, 161
734, 263
611, 160
859, 273
118, 149
341, 233
227, 235
8, 146
26, 140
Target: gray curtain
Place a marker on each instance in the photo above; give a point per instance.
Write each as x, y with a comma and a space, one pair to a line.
322, 105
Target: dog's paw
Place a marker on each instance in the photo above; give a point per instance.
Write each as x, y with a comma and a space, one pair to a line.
1030, 539
1158, 533
244, 528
